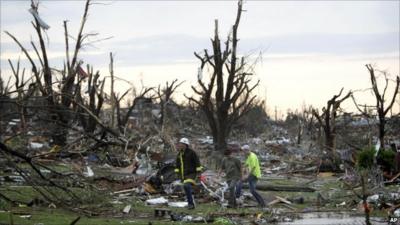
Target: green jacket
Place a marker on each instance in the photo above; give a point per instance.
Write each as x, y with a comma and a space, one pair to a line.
232, 168
253, 164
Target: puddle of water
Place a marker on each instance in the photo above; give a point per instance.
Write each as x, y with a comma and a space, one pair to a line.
332, 219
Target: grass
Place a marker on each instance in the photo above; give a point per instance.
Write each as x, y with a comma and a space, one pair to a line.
61, 217
58, 217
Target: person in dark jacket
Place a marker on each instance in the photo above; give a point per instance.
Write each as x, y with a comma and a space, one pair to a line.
233, 171
396, 162
187, 167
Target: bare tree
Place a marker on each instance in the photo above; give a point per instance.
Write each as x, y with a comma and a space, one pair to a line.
327, 120
164, 95
309, 120
4, 96
22, 95
228, 94
5, 88
123, 119
112, 93
58, 102
95, 90
381, 98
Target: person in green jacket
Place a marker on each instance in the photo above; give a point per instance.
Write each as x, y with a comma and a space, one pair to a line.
187, 168
254, 173
233, 174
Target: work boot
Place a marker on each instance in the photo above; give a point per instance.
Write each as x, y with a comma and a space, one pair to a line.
190, 207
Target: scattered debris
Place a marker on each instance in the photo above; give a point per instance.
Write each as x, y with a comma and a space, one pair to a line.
35, 145
127, 209
178, 204
157, 201
89, 172
25, 216
162, 212
396, 212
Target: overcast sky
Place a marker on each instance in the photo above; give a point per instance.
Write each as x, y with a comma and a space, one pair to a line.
310, 48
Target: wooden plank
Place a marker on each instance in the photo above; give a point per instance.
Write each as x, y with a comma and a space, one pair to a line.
283, 200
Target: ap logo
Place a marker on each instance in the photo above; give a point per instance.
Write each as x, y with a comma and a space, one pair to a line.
394, 220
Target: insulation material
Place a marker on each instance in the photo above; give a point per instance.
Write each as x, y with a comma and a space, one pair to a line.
42, 24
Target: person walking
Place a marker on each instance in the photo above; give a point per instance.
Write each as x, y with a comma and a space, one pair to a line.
232, 168
187, 167
254, 173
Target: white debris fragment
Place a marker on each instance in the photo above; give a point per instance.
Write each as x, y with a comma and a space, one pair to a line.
396, 212
89, 172
207, 140
45, 171
116, 202
395, 196
43, 24
36, 145
341, 204
187, 218
145, 167
156, 113
178, 204
287, 219
198, 219
279, 141
26, 216
127, 209
256, 141
373, 198
157, 201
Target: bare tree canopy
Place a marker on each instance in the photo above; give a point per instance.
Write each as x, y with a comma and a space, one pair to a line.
165, 95
327, 119
58, 101
381, 98
228, 94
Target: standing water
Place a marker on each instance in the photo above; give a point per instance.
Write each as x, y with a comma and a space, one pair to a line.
333, 219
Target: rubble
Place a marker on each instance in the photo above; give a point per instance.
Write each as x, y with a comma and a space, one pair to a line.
396, 213
26, 216
178, 204
207, 140
89, 172
157, 201
278, 141
127, 209
142, 175
35, 145
162, 212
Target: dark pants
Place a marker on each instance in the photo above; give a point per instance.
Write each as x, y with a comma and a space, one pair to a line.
188, 191
233, 187
252, 186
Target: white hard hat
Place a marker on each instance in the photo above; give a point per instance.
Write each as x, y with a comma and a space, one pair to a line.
246, 147
184, 141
